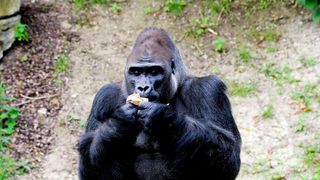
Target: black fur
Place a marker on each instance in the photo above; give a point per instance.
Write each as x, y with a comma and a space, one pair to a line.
192, 137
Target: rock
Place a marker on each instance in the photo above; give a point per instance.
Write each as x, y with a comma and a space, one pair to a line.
7, 29
42, 112
8, 20
9, 7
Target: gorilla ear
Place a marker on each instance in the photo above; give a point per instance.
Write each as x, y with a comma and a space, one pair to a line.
173, 66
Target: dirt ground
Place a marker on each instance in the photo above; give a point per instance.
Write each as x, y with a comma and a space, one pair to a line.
271, 148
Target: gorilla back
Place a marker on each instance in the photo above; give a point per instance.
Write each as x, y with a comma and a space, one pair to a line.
185, 131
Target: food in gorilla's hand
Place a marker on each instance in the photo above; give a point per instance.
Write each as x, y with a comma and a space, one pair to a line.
136, 99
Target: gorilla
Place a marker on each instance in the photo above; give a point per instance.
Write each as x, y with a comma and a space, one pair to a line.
185, 131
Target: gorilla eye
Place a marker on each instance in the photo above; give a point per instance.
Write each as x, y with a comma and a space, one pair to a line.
134, 71
155, 71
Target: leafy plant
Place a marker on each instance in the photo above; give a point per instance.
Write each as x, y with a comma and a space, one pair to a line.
10, 167
174, 6
219, 44
314, 6
115, 8
21, 33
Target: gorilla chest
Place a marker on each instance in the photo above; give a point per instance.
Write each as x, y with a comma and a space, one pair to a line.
151, 166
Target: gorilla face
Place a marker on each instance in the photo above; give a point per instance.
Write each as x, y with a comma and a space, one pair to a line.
150, 72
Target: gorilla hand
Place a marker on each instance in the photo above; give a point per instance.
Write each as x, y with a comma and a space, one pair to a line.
150, 113
126, 114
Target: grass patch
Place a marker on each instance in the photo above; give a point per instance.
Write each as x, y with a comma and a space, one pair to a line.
174, 6
219, 44
244, 54
242, 89
260, 34
147, 10
82, 4
115, 8
308, 61
302, 99
278, 74
301, 126
62, 64
312, 159
268, 112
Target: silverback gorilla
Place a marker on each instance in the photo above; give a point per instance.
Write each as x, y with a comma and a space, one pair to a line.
185, 131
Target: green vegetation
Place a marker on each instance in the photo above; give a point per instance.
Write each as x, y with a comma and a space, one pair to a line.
301, 122
24, 58
242, 89
314, 6
81, 4
147, 10
312, 159
174, 6
279, 74
308, 61
115, 8
8, 121
62, 64
219, 44
21, 33
244, 55
199, 26
268, 112
260, 34
303, 99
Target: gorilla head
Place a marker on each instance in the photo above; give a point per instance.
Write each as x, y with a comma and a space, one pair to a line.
151, 69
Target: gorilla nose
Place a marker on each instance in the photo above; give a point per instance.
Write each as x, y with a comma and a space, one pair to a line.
143, 89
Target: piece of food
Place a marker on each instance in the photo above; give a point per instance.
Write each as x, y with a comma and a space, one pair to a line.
136, 99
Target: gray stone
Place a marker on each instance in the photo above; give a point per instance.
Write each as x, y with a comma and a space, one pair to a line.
7, 29
9, 7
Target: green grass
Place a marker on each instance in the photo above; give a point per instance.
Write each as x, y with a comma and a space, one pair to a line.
312, 159
199, 26
268, 33
82, 4
115, 8
242, 89
174, 6
268, 112
308, 61
147, 10
244, 55
62, 64
279, 74
219, 44
301, 126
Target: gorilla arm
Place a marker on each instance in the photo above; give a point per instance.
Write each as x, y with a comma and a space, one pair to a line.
111, 128
204, 137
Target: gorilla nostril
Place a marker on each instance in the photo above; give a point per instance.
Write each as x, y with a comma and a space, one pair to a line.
143, 89
146, 88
